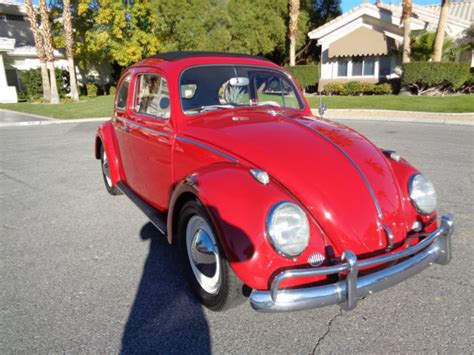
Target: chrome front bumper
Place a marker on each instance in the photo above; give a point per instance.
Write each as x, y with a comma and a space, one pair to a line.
435, 248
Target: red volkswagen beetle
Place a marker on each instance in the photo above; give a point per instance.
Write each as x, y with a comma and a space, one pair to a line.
264, 200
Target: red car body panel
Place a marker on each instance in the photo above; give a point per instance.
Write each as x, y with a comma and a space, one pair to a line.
347, 186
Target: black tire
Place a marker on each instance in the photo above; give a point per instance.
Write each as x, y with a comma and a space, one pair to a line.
112, 189
230, 291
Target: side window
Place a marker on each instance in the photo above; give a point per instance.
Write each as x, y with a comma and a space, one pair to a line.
121, 100
152, 96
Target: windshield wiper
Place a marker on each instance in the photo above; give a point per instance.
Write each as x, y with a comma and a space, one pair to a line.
210, 108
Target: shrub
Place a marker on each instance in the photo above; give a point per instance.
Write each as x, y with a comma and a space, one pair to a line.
333, 89
382, 89
305, 75
357, 88
352, 88
112, 90
425, 77
32, 81
92, 90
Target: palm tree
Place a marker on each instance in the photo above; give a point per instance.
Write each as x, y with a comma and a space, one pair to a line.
443, 19
68, 35
293, 29
39, 49
48, 46
406, 18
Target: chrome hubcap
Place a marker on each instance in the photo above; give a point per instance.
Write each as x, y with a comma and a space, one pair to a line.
105, 169
203, 254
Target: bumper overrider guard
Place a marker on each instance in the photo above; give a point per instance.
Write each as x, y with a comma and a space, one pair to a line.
435, 248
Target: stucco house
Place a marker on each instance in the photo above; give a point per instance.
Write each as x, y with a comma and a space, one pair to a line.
18, 53
365, 43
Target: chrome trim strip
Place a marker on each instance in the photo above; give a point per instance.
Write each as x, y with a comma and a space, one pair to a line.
361, 174
182, 139
137, 125
436, 248
205, 146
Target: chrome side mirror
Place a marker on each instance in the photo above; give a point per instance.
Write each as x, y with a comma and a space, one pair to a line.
322, 109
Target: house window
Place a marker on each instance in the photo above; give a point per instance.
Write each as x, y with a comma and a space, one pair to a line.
357, 64
356, 67
385, 66
342, 67
9, 17
369, 66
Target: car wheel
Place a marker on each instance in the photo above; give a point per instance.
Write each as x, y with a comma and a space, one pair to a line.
112, 189
207, 269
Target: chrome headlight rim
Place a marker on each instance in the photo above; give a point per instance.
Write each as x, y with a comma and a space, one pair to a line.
268, 225
413, 199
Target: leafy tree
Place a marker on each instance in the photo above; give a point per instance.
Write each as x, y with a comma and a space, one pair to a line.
126, 30
422, 47
255, 27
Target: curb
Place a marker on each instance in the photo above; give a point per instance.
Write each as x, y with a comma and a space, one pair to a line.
464, 119
52, 121
29, 114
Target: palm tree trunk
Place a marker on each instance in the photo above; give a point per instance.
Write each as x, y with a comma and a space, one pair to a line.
48, 46
439, 40
406, 17
68, 34
45, 80
39, 49
293, 29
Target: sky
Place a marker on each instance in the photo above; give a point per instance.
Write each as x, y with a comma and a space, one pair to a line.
349, 4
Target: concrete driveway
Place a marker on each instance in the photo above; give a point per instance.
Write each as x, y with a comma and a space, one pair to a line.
7, 116
83, 271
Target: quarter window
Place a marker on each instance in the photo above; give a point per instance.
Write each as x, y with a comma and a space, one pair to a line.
121, 100
152, 97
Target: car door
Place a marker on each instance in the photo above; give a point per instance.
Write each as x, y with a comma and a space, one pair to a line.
123, 129
152, 136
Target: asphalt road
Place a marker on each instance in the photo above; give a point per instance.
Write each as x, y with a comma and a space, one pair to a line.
82, 271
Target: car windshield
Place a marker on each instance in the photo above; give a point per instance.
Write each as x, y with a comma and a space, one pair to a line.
221, 87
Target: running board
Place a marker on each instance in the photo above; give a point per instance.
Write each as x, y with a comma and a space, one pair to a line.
156, 217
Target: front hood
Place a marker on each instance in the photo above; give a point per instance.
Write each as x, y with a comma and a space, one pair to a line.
342, 179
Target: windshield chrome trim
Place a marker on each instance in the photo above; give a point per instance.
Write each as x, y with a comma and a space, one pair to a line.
348, 157
300, 98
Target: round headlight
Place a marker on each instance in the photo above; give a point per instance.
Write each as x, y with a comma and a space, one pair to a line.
422, 194
288, 229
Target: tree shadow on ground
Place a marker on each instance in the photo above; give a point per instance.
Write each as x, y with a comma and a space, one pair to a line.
165, 317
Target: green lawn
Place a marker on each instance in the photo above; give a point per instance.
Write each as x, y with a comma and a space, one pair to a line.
462, 103
101, 106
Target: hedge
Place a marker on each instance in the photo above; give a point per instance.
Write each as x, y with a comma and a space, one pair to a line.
357, 88
305, 75
32, 82
423, 77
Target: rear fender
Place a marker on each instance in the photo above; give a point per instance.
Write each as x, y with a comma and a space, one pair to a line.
238, 205
106, 137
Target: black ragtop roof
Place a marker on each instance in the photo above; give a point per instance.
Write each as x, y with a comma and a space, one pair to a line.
172, 56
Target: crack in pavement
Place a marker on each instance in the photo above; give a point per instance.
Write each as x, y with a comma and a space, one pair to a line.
459, 283
12, 178
328, 330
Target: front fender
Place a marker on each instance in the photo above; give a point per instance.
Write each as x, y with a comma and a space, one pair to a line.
403, 171
238, 205
106, 137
